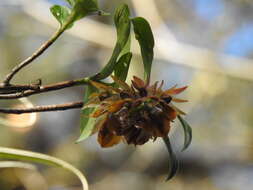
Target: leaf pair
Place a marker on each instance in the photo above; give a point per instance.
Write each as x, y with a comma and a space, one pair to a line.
143, 34
79, 9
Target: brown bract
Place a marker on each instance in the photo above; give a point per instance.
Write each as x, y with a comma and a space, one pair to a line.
133, 113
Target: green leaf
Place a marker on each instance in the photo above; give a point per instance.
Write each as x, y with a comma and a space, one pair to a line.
87, 123
144, 35
173, 162
187, 133
122, 67
83, 8
123, 26
61, 14
79, 9
122, 22
127, 47
9, 153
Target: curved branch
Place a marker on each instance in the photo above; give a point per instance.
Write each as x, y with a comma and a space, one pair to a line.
35, 55
57, 107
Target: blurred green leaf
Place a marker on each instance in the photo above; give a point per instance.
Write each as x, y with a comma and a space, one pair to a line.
87, 123
71, 2
61, 14
9, 153
187, 133
123, 25
122, 66
17, 164
144, 35
83, 8
173, 162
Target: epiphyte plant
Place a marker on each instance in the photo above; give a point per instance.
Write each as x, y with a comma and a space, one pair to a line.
118, 111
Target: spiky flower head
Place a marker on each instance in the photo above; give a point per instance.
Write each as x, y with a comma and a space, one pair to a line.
133, 114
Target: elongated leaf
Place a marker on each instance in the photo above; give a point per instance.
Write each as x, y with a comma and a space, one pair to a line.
144, 35
122, 22
61, 13
127, 47
88, 128
87, 123
173, 162
9, 153
17, 164
121, 69
187, 133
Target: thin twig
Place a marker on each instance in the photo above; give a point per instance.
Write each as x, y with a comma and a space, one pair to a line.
57, 107
41, 50
46, 88
35, 55
17, 88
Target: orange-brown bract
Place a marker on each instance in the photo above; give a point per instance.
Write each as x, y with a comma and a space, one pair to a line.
133, 113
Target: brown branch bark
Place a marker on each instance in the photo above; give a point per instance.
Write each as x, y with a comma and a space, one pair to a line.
17, 88
46, 88
57, 107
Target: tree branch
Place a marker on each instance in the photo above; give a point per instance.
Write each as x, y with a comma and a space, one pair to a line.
17, 88
46, 88
58, 107
35, 55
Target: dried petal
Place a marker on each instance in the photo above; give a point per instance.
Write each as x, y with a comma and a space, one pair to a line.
99, 124
138, 83
99, 112
116, 106
171, 114
106, 138
152, 89
101, 86
179, 112
174, 91
122, 84
178, 100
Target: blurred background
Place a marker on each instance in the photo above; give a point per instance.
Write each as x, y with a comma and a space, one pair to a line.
205, 44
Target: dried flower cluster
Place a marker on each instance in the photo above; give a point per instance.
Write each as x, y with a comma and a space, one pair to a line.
133, 113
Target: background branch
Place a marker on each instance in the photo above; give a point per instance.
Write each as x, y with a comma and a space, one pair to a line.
46, 88
57, 107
